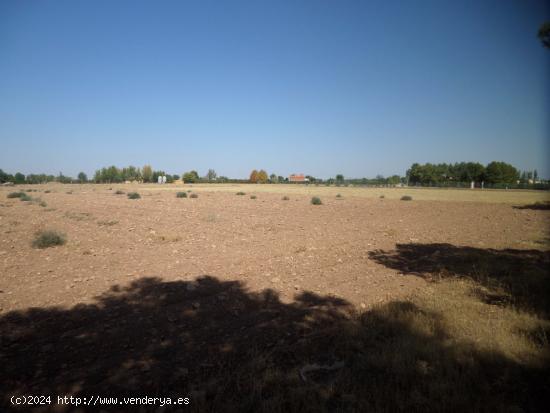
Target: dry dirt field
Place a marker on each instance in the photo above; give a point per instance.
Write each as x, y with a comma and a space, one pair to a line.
165, 295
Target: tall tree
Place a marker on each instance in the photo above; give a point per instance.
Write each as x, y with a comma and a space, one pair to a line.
147, 173
82, 177
254, 176
262, 176
501, 173
211, 175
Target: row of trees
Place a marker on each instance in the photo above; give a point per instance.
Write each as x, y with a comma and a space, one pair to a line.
112, 174
443, 173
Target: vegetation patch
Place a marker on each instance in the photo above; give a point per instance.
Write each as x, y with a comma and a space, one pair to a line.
316, 201
134, 195
119, 192
339, 196
181, 195
193, 195
16, 194
240, 193
286, 198
252, 196
48, 238
406, 198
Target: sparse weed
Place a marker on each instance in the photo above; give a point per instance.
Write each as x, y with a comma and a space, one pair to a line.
286, 198
193, 195
406, 198
49, 238
181, 195
316, 201
16, 194
240, 193
134, 195
119, 192
252, 196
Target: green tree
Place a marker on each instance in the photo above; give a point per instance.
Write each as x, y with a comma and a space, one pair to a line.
273, 178
501, 173
339, 178
147, 173
191, 177
82, 177
19, 178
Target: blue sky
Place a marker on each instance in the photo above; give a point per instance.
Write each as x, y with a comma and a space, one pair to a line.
320, 87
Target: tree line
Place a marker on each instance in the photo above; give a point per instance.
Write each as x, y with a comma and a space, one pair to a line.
495, 172
442, 174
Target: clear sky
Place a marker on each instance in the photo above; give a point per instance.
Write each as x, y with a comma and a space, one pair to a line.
319, 87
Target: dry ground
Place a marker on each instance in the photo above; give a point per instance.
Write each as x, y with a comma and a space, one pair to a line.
203, 282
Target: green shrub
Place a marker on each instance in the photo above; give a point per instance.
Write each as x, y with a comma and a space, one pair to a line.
382, 196
42, 204
181, 195
252, 196
338, 196
47, 191
406, 198
241, 193
45, 239
316, 201
16, 194
189, 190
133, 195
25, 197
193, 195
286, 198
119, 192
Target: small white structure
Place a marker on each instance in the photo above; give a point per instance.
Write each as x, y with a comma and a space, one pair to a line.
164, 179
159, 179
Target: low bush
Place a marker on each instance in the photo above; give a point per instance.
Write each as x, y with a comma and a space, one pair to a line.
134, 195
286, 198
181, 195
338, 196
16, 194
316, 201
406, 198
241, 193
47, 191
252, 196
382, 196
193, 195
45, 239
119, 192
25, 197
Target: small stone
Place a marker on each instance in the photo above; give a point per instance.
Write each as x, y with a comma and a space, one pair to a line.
275, 280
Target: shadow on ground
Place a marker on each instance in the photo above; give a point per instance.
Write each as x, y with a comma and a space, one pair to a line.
232, 350
537, 206
522, 276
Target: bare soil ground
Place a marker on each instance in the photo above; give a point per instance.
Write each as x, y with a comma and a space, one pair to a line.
169, 289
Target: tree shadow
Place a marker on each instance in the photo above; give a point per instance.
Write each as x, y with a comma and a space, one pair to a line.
540, 206
522, 276
232, 350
